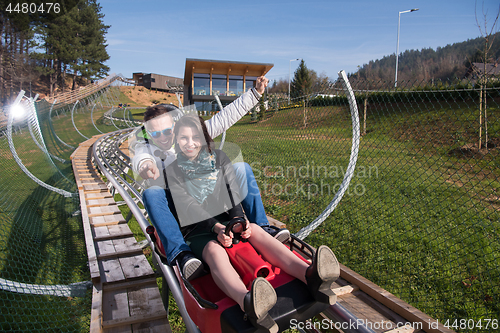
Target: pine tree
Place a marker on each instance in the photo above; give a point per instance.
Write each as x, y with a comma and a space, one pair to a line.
93, 41
60, 47
74, 42
302, 82
15, 42
301, 87
262, 106
67, 43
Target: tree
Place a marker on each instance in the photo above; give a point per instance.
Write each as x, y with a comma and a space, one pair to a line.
262, 106
427, 65
93, 41
483, 76
302, 82
73, 42
15, 43
301, 86
279, 87
62, 47
20, 36
320, 84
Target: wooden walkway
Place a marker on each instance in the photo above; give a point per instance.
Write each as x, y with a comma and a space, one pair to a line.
125, 294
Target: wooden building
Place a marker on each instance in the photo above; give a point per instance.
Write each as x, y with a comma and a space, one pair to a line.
158, 82
204, 79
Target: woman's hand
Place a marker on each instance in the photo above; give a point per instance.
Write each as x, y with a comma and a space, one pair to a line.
225, 240
248, 232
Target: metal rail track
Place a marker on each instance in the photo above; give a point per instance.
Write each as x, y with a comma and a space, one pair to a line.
115, 167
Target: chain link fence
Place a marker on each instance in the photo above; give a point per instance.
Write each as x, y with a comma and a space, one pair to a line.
44, 277
421, 217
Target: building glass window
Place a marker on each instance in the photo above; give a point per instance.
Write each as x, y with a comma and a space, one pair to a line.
219, 84
201, 85
250, 82
235, 85
206, 106
203, 106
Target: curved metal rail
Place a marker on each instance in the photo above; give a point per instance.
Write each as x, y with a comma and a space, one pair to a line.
18, 159
52, 126
304, 232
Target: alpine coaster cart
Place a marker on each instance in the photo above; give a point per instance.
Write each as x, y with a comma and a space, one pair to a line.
212, 311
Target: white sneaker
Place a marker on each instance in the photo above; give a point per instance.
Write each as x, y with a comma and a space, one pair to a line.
190, 266
282, 235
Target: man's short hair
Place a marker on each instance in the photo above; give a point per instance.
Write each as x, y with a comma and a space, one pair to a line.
160, 109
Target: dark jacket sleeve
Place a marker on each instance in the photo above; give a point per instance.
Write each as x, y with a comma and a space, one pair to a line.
227, 171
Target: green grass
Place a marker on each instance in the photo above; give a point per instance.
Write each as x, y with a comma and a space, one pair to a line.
41, 242
138, 114
41, 235
419, 223
64, 129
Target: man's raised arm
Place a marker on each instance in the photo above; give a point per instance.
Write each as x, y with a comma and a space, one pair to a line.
237, 109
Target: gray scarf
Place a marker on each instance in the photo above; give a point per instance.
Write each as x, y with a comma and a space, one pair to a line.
200, 174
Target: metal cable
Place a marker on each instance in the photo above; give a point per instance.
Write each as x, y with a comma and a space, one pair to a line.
304, 232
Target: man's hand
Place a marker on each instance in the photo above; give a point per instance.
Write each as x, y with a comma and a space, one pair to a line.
148, 170
261, 84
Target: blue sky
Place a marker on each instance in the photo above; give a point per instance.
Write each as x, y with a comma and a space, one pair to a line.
154, 36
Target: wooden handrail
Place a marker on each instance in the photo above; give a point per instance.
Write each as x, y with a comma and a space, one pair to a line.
75, 95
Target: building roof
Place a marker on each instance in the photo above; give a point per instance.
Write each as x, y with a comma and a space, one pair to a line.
488, 69
224, 67
154, 74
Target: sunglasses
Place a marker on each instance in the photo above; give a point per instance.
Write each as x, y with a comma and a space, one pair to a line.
166, 132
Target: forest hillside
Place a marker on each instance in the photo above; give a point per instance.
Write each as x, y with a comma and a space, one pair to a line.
445, 63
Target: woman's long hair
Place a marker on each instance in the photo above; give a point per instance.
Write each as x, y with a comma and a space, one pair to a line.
197, 123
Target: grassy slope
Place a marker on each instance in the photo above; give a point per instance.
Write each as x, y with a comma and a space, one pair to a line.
416, 219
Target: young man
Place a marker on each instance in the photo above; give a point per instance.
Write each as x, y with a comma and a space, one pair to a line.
153, 155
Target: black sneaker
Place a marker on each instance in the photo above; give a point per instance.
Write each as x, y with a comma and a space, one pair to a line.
282, 235
190, 266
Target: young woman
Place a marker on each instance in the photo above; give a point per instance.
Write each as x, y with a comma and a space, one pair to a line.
207, 199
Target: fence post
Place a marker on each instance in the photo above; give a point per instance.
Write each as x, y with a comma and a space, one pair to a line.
365, 108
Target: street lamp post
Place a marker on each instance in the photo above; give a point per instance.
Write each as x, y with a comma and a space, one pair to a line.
289, 77
397, 47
